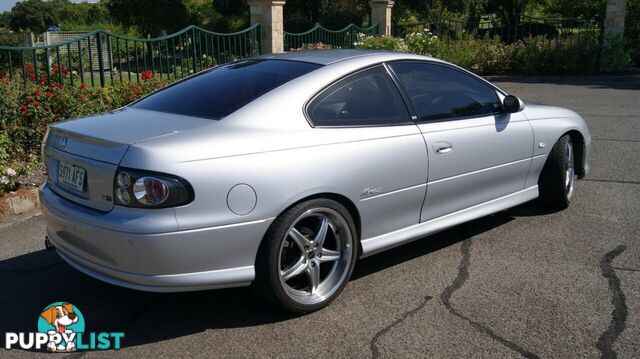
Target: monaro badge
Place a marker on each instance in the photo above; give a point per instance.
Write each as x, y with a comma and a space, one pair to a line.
371, 191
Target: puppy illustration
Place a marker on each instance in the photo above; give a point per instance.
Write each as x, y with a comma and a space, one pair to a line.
60, 316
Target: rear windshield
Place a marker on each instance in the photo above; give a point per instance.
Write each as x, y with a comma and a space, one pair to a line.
220, 91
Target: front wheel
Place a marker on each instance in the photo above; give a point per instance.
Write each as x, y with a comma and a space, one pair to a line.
307, 256
558, 176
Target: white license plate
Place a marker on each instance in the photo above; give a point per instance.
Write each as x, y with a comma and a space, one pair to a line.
71, 176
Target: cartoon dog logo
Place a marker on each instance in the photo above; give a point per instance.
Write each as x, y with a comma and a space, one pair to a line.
66, 321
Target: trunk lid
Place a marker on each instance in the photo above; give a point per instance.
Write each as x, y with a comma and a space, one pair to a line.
82, 155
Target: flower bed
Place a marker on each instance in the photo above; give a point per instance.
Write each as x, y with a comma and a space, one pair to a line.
27, 108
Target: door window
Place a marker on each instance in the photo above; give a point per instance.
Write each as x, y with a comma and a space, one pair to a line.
440, 92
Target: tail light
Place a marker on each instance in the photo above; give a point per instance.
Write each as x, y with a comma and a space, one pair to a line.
144, 189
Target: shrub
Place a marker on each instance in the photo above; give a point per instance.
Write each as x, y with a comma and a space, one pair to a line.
388, 43
313, 46
424, 42
27, 109
614, 57
539, 55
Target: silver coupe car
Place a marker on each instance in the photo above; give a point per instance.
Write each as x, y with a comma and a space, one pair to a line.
281, 171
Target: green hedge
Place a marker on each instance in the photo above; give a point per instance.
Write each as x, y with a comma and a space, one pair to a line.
575, 55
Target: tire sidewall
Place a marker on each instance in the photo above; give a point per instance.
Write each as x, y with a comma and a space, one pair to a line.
277, 235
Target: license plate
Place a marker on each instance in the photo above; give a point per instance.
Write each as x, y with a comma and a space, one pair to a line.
71, 176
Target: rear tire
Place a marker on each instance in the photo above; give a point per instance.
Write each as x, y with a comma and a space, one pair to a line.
307, 256
557, 180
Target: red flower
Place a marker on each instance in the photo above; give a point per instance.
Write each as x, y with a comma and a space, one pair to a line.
83, 85
146, 75
36, 91
59, 85
23, 109
43, 80
49, 94
32, 76
28, 67
36, 103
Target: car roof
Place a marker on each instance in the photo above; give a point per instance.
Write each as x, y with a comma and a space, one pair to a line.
327, 57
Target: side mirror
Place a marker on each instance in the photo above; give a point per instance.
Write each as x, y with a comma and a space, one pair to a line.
512, 104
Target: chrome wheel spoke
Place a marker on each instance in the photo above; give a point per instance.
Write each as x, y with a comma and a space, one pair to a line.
328, 255
322, 232
296, 269
301, 241
313, 272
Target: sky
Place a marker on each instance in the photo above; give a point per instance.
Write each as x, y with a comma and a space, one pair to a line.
6, 5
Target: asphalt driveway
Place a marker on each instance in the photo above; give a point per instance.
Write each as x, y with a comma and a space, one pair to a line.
524, 282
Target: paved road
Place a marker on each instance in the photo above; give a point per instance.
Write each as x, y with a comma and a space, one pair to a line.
524, 282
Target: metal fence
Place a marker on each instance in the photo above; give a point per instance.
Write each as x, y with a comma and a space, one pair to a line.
344, 38
100, 57
507, 30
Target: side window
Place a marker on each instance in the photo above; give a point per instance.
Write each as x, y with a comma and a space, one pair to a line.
366, 98
440, 92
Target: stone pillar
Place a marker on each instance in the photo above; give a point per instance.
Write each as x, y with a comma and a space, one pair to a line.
269, 13
614, 20
381, 15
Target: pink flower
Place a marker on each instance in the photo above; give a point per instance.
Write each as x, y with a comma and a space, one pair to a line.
11, 172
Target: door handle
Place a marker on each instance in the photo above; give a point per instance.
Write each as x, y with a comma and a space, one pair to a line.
442, 147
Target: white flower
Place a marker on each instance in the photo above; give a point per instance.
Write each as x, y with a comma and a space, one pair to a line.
4, 180
11, 172
74, 72
115, 70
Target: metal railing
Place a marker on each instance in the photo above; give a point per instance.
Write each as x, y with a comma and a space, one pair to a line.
100, 57
344, 38
507, 30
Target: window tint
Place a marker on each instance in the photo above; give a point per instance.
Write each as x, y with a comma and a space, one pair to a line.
440, 92
366, 98
219, 92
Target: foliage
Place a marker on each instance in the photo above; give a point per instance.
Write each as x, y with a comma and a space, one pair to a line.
150, 17
590, 9
632, 30
33, 15
340, 19
614, 57
37, 15
298, 25
4, 19
316, 46
387, 43
8, 177
27, 109
537, 55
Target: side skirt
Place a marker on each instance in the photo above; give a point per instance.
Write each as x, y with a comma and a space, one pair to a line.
383, 242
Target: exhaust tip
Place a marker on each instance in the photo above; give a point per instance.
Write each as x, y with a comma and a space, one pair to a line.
48, 245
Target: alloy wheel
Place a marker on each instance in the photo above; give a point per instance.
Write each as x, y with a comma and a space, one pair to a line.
315, 256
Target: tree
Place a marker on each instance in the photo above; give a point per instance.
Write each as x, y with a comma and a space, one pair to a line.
509, 9
4, 19
150, 17
33, 15
590, 9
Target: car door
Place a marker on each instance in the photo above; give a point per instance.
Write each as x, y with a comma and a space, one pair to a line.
476, 152
380, 162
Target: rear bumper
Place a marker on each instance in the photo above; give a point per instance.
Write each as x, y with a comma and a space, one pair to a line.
169, 261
